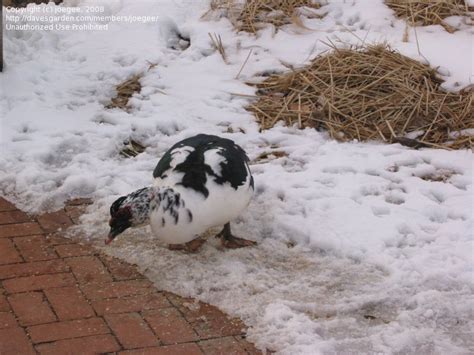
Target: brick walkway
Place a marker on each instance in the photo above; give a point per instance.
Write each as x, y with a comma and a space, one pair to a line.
61, 297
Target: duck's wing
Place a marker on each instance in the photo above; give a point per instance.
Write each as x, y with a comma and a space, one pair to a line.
191, 161
165, 172
178, 153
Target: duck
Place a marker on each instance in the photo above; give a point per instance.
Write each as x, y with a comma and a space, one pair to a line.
201, 182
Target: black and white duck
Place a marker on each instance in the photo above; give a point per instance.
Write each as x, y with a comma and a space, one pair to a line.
201, 182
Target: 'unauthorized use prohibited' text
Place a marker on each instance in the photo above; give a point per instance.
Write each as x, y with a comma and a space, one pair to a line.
59, 18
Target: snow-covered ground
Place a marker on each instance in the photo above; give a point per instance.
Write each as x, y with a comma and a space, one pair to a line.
363, 247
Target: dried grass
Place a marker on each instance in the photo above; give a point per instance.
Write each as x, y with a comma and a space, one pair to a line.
125, 91
365, 94
131, 149
252, 15
440, 175
267, 156
218, 45
429, 12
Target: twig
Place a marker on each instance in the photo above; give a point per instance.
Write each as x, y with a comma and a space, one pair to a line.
243, 65
217, 43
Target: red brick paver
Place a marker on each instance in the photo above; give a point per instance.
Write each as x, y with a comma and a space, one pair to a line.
218, 346
96, 344
19, 229
35, 268
58, 296
170, 326
135, 303
8, 252
7, 320
13, 340
69, 303
35, 248
4, 306
117, 289
38, 282
66, 330
9, 217
131, 330
89, 269
51, 222
68, 250
31, 308
178, 349
6, 205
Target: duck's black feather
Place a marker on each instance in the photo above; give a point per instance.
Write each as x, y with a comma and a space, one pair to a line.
116, 205
233, 169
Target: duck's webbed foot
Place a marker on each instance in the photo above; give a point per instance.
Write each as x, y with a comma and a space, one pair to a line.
190, 247
231, 242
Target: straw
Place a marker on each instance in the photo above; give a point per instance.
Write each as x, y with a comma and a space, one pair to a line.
429, 12
125, 91
252, 15
368, 93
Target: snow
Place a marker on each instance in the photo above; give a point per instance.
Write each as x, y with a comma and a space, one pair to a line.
363, 247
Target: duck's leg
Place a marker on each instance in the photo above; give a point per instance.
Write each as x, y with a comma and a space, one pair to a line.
231, 242
191, 247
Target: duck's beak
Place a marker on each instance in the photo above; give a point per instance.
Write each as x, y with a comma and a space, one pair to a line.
112, 234
116, 228
109, 239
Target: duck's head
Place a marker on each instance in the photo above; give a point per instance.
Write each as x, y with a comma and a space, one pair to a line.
128, 211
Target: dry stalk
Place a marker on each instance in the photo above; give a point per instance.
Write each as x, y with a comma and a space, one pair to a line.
252, 15
131, 149
243, 65
429, 12
218, 46
125, 91
368, 93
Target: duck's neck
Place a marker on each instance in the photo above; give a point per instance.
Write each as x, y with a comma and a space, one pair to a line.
153, 198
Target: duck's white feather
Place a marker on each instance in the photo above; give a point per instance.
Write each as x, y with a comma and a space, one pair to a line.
223, 204
210, 182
